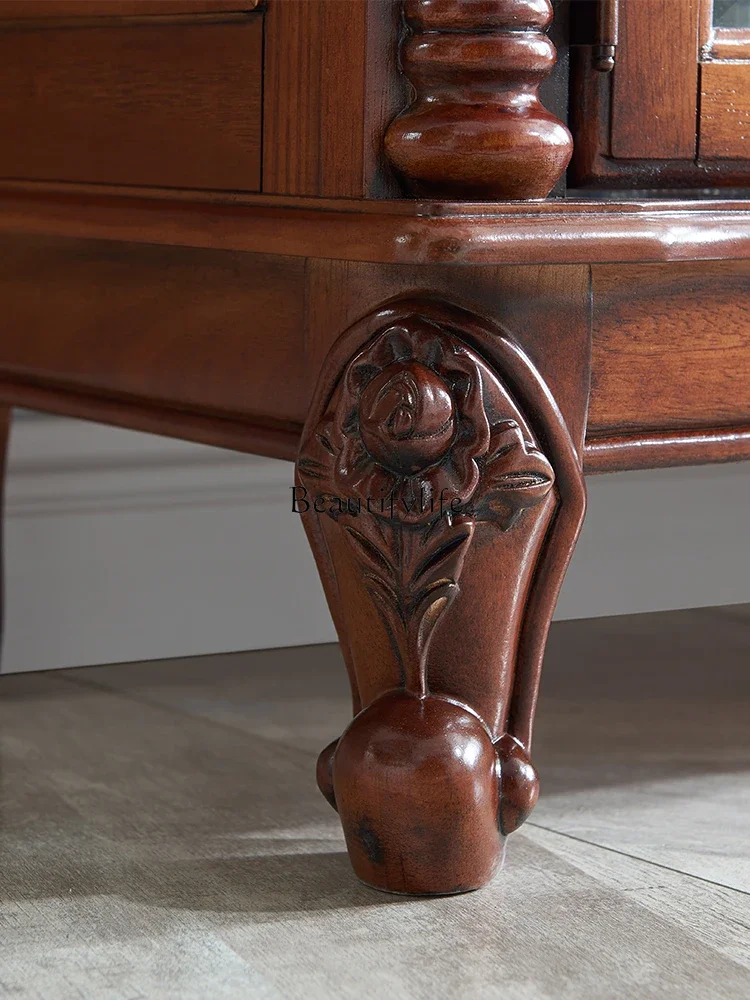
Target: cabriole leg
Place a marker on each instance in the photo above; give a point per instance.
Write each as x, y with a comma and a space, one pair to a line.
5, 412
442, 495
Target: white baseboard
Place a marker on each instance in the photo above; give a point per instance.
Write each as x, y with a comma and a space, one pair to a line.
124, 546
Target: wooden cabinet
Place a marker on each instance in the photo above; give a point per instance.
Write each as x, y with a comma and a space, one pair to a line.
674, 110
345, 231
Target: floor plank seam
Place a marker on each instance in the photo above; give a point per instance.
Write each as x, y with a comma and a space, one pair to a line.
637, 857
178, 712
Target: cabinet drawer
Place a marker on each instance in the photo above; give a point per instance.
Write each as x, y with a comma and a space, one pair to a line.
161, 103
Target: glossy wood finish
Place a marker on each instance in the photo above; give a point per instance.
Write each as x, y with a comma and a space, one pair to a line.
602, 452
168, 326
719, 41
144, 284
641, 125
730, 44
537, 306
655, 84
218, 430
690, 323
57, 9
331, 87
476, 128
661, 449
725, 111
169, 104
433, 455
401, 232
236, 320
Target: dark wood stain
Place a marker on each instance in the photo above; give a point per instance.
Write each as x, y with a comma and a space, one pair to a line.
153, 276
476, 128
166, 104
438, 755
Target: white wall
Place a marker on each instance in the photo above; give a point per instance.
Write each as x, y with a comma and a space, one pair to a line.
123, 546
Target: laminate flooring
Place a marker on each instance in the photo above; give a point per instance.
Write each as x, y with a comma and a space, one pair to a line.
161, 835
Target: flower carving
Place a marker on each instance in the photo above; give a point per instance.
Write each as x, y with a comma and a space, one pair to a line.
420, 429
416, 426
420, 442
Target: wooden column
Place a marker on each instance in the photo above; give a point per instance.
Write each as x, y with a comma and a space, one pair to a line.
476, 128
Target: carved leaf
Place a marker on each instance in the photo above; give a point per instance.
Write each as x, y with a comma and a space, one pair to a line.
311, 468
515, 477
443, 557
412, 576
319, 453
370, 554
322, 436
389, 604
432, 565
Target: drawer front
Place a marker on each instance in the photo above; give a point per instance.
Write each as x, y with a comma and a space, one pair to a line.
57, 9
671, 346
173, 103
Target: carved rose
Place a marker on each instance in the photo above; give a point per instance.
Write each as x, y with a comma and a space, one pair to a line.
413, 426
416, 426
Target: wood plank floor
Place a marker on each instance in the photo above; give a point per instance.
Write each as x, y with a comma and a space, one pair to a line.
161, 835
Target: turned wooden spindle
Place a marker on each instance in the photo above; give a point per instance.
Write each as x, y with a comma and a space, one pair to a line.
476, 128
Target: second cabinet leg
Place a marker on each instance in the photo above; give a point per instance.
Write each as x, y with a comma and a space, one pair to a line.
5, 418
442, 496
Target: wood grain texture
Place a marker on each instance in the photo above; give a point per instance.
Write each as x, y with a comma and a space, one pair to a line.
420, 405
671, 347
725, 111
730, 43
56, 9
331, 85
273, 440
219, 333
619, 141
403, 232
536, 305
602, 453
476, 128
195, 341
175, 104
656, 81
680, 900
593, 167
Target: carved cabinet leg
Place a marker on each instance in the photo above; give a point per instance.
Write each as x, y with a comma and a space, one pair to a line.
442, 496
5, 412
